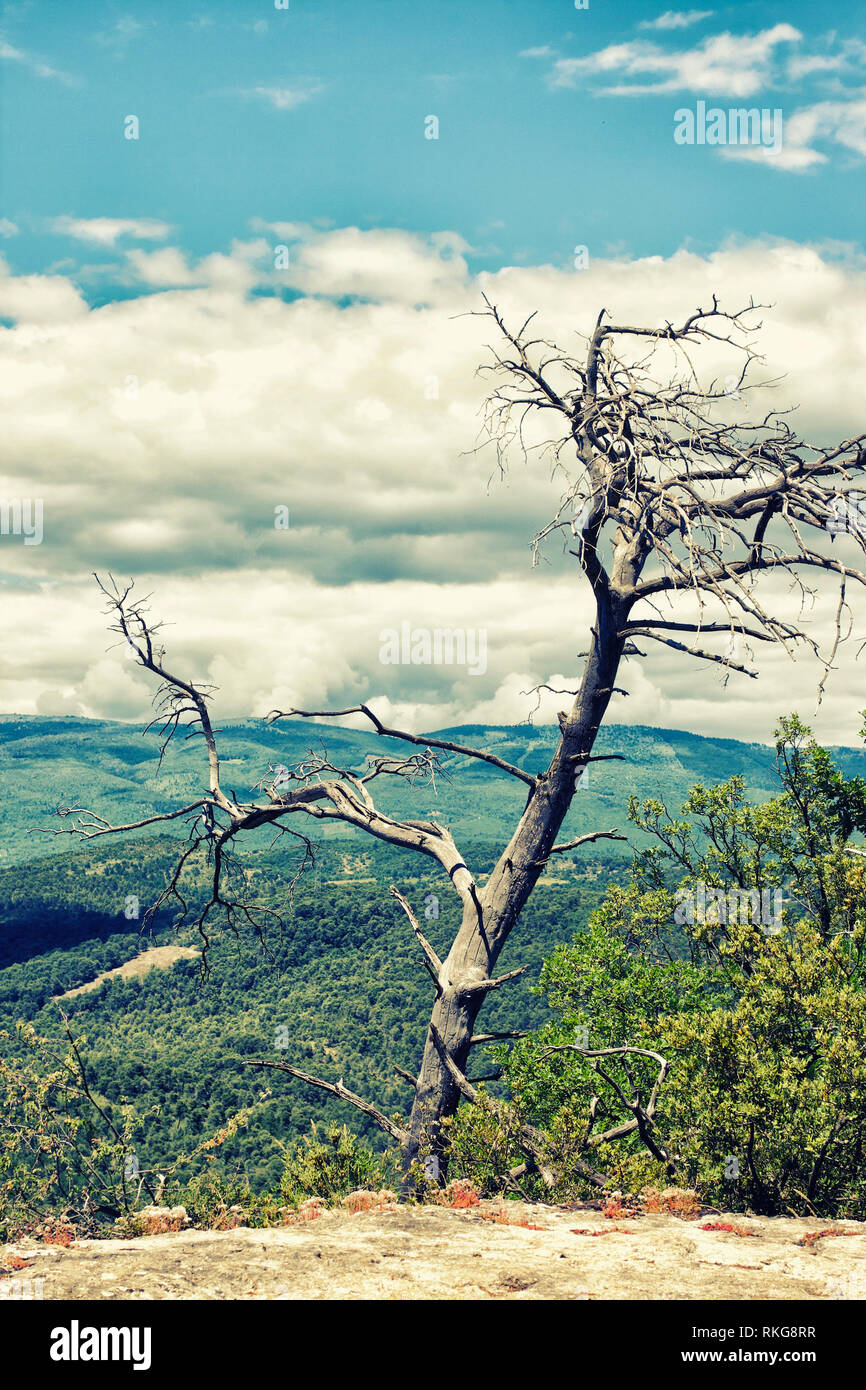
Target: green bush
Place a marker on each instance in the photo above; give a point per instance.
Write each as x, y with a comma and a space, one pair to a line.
761, 1104
62, 1155
330, 1166
215, 1202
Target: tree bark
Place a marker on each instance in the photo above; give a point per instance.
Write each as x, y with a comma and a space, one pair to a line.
493, 910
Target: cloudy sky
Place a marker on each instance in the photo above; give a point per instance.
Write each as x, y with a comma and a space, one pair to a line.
235, 282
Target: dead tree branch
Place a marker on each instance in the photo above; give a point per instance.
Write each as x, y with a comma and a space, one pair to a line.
431, 960
341, 1092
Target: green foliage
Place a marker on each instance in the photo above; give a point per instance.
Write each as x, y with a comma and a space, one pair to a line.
761, 1023
777, 1079
342, 980
62, 1157
215, 1202
330, 1166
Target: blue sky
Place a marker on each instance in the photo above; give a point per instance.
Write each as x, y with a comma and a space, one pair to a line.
316, 115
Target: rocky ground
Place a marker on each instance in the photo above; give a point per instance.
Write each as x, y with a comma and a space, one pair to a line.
428, 1252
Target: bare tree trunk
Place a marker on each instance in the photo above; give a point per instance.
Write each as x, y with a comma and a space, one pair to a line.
488, 920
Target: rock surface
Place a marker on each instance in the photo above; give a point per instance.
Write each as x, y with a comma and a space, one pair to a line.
437, 1253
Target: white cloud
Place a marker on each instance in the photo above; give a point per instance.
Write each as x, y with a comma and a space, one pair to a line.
286, 231
284, 98
843, 122
105, 231
168, 267
740, 66
676, 19
382, 264
7, 228
834, 123
163, 431
807, 64
736, 64
29, 61
38, 299
850, 55
120, 35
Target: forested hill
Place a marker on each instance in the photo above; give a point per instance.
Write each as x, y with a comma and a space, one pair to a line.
112, 768
341, 978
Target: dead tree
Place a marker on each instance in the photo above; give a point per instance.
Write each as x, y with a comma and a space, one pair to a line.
676, 502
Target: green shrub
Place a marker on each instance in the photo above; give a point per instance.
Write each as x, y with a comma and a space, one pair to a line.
62, 1155
329, 1167
761, 1104
217, 1202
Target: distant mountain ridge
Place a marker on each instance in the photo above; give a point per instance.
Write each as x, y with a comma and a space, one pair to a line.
110, 767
